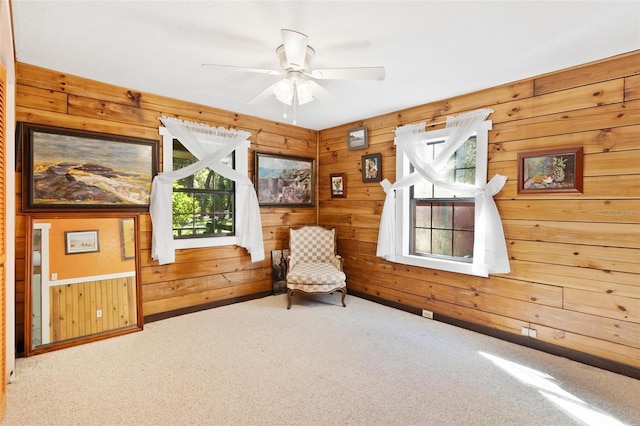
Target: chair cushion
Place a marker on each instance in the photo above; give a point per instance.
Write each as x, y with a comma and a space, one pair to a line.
316, 274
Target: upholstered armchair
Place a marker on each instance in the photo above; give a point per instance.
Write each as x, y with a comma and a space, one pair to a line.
313, 265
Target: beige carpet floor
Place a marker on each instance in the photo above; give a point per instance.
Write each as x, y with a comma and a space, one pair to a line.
257, 363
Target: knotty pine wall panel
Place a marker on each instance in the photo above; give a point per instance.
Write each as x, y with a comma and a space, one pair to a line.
199, 276
72, 307
574, 257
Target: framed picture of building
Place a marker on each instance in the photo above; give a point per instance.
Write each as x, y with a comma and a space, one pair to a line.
284, 180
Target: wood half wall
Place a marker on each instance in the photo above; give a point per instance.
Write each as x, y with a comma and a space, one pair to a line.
575, 257
199, 277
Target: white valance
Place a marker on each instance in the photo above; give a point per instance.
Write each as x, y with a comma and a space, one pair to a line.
209, 145
488, 232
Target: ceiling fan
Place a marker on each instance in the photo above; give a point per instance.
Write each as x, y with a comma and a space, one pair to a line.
298, 85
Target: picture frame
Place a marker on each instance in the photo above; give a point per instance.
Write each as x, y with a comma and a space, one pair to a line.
284, 180
279, 270
357, 138
77, 242
338, 185
372, 168
66, 170
127, 238
553, 170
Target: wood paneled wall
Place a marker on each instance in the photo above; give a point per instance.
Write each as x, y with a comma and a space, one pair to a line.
575, 273
199, 276
575, 258
73, 307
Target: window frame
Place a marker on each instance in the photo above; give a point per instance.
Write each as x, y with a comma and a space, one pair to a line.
241, 162
403, 208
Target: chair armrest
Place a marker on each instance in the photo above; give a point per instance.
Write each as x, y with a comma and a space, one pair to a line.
290, 263
337, 261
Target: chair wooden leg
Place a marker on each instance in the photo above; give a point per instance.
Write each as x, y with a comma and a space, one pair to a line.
344, 293
289, 298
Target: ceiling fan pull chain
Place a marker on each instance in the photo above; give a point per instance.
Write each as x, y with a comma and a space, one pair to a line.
285, 110
295, 101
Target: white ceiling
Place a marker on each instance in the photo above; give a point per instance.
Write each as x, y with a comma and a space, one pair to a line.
432, 50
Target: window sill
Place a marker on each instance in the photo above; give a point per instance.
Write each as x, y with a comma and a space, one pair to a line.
441, 264
185, 243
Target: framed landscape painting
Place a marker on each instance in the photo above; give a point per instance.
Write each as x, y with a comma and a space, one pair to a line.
357, 138
81, 242
70, 169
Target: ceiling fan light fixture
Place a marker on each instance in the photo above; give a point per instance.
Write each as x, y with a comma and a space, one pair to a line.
304, 92
284, 91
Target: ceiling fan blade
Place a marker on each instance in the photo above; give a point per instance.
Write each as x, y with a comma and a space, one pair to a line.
354, 73
263, 96
245, 69
295, 47
320, 93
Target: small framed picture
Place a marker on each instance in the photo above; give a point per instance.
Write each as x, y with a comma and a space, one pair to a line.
372, 168
557, 170
81, 242
357, 138
338, 185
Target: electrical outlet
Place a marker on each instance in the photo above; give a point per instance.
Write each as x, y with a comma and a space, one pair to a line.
54, 276
427, 314
529, 332
99, 313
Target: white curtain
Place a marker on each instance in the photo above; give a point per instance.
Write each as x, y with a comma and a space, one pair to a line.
209, 145
489, 232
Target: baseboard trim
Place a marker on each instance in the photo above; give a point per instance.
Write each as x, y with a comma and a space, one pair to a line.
588, 359
204, 307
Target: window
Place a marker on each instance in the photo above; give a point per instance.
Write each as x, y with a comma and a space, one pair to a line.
442, 223
435, 226
204, 204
